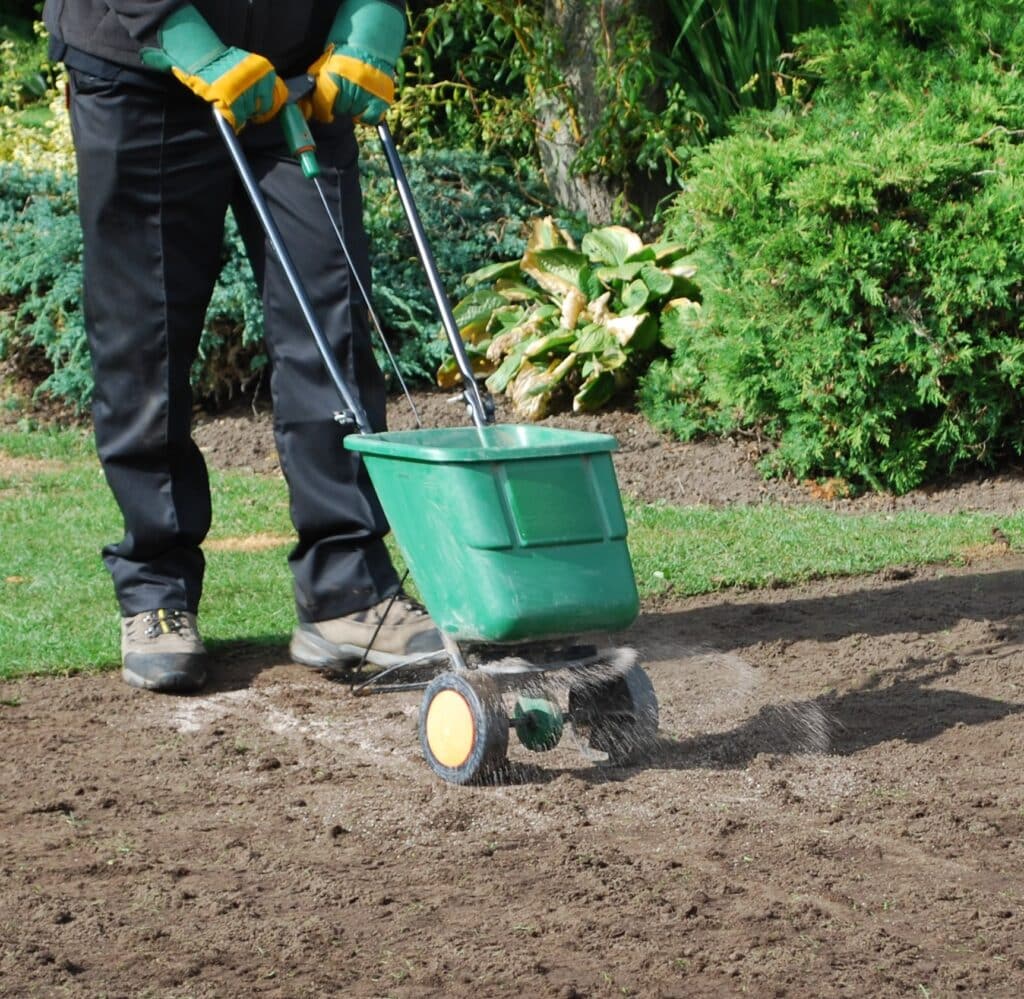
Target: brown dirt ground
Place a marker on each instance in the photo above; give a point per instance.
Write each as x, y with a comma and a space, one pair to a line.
834, 806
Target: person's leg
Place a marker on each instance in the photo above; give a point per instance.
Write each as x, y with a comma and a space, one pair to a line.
340, 565
152, 196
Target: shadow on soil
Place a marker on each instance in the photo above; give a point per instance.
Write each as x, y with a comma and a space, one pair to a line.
237, 664
828, 726
904, 710
904, 702
921, 606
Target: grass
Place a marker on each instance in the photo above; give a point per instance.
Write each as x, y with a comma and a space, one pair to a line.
698, 549
57, 613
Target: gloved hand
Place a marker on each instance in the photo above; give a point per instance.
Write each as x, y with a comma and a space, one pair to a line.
241, 85
355, 76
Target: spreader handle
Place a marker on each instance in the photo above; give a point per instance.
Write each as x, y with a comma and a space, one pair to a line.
234, 147
300, 139
482, 415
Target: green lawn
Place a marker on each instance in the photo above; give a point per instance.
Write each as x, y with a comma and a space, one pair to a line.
697, 549
57, 612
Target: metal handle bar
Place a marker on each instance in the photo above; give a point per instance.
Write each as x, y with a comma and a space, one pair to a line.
355, 412
480, 414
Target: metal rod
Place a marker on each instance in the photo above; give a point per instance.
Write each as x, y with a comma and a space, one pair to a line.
374, 683
274, 236
372, 686
374, 318
472, 391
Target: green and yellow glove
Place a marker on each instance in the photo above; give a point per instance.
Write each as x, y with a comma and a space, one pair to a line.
241, 85
355, 76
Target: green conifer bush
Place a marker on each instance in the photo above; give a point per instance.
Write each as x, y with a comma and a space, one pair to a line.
862, 255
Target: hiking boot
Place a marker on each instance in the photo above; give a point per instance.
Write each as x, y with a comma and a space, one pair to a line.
388, 633
162, 650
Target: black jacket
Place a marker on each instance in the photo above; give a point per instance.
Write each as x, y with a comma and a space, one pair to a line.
290, 33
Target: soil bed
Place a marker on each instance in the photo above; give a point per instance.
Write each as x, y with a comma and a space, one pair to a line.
834, 806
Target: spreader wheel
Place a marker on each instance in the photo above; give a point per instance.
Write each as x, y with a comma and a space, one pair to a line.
463, 727
538, 723
615, 719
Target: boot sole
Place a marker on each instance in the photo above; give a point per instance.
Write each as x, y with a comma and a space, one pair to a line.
179, 683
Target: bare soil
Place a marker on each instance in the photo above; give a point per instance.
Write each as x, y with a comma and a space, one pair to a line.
834, 806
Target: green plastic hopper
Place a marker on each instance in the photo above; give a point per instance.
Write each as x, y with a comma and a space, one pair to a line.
511, 532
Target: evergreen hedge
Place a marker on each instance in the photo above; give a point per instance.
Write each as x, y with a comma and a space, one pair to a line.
862, 255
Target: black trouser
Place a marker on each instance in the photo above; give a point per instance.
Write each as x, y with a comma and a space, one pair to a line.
155, 182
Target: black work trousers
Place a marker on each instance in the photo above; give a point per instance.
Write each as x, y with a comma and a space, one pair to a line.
155, 182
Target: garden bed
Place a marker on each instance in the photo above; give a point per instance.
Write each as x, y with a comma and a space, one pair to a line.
834, 806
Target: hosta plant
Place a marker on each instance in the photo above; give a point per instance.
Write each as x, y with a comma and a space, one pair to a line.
568, 322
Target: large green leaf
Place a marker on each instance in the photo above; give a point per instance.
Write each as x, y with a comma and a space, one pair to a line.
558, 342
595, 339
473, 313
515, 290
600, 350
493, 272
614, 244
612, 359
563, 367
619, 272
558, 270
644, 256
505, 319
657, 280
594, 392
507, 370
667, 253
635, 296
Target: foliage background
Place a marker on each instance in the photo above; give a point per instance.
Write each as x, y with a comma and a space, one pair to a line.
475, 209
862, 258
846, 177
476, 74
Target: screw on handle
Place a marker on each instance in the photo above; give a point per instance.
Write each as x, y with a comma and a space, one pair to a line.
300, 139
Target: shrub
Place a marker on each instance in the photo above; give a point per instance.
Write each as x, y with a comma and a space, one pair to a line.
565, 323
26, 73
40, 279
473, 209
861, 260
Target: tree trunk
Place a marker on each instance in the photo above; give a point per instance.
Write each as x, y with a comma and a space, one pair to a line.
564, 125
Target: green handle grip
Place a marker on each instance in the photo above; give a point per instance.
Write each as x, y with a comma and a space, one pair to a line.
300, 140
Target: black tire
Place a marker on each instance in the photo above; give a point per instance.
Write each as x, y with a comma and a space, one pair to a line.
615, 719
463, 728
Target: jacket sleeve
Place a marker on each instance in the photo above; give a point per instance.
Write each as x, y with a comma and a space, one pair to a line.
141, 18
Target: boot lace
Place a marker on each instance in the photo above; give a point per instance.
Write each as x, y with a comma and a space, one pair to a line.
165, 622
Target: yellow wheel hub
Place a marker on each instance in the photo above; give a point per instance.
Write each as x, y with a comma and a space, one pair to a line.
450, 729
